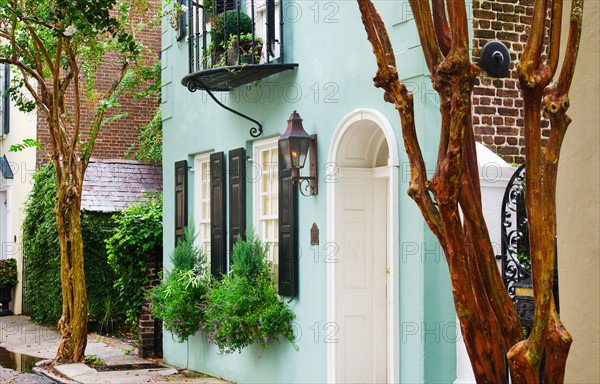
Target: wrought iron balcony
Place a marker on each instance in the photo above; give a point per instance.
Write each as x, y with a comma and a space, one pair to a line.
232, 42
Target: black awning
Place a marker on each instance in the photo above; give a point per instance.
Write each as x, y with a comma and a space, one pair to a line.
7, 173
225, 79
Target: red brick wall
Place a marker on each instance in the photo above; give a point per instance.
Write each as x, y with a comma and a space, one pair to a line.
497, 103
117, 136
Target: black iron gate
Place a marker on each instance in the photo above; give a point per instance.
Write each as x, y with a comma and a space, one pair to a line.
515, 257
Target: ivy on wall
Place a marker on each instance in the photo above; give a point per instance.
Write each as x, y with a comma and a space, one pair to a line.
42, 255
138, 233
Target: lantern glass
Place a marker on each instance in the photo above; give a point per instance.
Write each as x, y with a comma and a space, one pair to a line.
294, 143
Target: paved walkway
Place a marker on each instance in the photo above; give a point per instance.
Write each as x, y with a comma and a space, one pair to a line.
19, 334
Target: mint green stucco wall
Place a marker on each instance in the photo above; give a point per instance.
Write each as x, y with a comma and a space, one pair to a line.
334, 77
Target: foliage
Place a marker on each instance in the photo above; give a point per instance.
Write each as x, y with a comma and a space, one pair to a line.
525, 260
42, 255
227, 23
176, 301
27, 143
148, 145
186, 256
8, 272
138, 233
245, 308
245, 47
59, 46
110, 313
93, 361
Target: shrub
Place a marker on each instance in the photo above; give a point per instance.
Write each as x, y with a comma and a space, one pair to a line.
138, 233
42, 254
245, 308
176, 301
8, 272
227, 22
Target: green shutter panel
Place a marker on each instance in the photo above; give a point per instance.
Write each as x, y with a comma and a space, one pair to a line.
288, 234
218, 233
181, 199
237, 195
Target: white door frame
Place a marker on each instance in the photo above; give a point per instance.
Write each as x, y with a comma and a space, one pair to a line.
393, 304
5, 221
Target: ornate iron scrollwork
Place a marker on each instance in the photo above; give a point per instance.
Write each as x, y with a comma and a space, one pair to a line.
516, 264
195, 84
515, 235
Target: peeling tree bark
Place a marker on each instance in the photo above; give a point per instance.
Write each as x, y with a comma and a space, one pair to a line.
488, 318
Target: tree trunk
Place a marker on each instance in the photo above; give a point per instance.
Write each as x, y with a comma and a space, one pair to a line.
488, 318
73, 322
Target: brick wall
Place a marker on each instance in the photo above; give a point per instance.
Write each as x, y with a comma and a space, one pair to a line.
117, 136
150, 329
497, 103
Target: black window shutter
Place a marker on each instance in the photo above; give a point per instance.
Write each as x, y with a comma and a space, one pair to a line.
237, 195
181, 199
218, 235
5, 99
288, 234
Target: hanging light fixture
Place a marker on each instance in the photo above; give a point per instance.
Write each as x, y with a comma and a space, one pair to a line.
295, 145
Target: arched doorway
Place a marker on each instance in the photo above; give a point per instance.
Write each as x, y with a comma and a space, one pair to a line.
362, 216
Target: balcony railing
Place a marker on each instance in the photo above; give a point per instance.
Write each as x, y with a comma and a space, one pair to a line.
233, 42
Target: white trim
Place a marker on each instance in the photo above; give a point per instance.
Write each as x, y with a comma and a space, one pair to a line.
199, 178
393, 304
9, 219
258, 147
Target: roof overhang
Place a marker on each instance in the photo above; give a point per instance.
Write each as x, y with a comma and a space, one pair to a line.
7, 172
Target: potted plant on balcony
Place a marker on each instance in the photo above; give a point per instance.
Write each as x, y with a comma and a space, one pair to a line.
8, 279
243, 49
225, 27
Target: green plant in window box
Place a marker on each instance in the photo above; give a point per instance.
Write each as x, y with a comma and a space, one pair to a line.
245, 308
8, 273
242, 49
177, 300
223, 27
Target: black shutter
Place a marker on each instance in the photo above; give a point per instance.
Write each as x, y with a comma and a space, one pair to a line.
218, 235
237, 195
288, 234
181, 30
5, 99
181, 199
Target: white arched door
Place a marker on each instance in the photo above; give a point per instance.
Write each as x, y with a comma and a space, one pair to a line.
361, 281
362, 205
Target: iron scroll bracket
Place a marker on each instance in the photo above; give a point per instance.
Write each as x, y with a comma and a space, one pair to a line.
197, 84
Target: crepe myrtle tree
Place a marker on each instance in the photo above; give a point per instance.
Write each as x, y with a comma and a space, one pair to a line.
450, 201
58, 47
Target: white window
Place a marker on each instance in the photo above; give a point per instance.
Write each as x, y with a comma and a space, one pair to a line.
260, 8
202, 202
265, 177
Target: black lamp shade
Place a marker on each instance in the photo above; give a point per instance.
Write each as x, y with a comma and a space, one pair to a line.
294, 143
495, 59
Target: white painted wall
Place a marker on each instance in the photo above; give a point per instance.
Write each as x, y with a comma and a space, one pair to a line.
22, 126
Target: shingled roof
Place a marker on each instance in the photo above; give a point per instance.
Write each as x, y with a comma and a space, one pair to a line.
113, 185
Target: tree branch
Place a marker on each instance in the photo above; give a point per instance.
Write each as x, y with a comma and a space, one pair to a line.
555, 32
440, 22
427, 33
